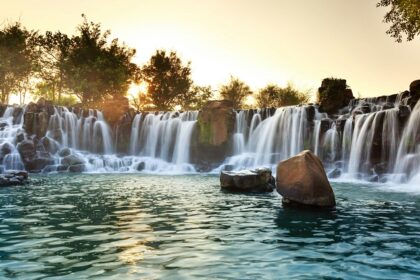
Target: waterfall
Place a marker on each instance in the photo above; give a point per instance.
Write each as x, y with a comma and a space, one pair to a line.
275, 138
408, 156
10, 127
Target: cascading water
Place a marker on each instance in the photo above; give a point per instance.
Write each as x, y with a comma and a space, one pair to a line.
10, 127
371, 139
275, 138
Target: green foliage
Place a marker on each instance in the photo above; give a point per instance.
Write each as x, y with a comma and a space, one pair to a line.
235, 91
94, 69
169, 81
142, 102
275, 96
404, 17
18, 59
196, 98
55, 48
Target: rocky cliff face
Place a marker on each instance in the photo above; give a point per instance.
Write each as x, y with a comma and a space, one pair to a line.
211, 142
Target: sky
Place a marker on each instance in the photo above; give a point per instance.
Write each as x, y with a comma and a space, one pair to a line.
258, 41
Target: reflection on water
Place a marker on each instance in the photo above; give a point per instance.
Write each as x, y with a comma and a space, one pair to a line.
177, 227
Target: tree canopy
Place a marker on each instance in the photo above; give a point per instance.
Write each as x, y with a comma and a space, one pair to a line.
235, 91
94, 69
169, 80
274, 96
18, 59
404, 18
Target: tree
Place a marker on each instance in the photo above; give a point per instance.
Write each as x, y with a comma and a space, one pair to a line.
196, 97
404, 17
235, 91
96, 70
18, 59
168, 80
275, 96
55, 48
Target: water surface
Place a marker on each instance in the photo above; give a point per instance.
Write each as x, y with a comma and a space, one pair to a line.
135, 226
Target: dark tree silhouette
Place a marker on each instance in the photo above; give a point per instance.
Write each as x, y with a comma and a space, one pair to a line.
404, 17
235, 91
94, 69
169, 81
55, 49
18, 59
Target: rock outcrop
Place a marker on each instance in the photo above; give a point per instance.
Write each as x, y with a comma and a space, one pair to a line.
13, 178
214, 130
257, 180
333, 95
302, 180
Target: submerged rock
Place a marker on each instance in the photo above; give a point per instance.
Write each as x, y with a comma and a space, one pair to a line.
14, 178
302, 180
257, 180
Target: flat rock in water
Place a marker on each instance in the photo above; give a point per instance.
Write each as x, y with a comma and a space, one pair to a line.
301, 180
256, 180
13, 178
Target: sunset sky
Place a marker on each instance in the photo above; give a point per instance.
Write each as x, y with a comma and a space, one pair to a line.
260, 42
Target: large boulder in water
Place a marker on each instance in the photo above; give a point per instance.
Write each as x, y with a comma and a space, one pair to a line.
213, 134
302, 180
333, 95
257, 180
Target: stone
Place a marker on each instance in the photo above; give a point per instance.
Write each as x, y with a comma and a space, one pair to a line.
26, 149
301, 180
415, 87
141, 166
212, 135
335, 173
257, 180
13, 178
39, 163
333, 95
64, 152
77, 168
72, 160
50, 145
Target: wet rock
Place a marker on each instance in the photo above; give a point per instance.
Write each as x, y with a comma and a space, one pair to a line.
141, 166
257, 180
13, 178
38, 164
310, 113
227, 167
211, 139
62, 168
403, 111
72, 160
301, 180
77, 168
20, 137
50, 145
26, 150
64, 152
114, 109
335, 173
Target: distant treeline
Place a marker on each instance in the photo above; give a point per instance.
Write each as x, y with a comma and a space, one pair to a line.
89, 68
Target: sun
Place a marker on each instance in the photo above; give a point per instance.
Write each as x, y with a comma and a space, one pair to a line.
136, 89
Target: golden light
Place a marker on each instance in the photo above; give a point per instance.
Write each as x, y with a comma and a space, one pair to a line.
136, 89
250, 100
